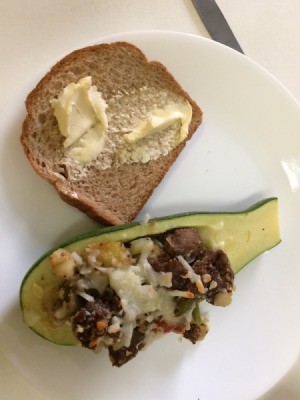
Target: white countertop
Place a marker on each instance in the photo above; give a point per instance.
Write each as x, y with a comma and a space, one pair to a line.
35, 33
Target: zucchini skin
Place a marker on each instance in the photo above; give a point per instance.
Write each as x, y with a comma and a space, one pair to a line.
117, 228
261, 220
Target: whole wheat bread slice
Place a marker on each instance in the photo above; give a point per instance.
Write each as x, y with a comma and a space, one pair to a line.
114, 195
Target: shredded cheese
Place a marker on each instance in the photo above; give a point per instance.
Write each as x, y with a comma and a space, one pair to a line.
191, 275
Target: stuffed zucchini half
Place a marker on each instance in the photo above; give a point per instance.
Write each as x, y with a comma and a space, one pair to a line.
122, 287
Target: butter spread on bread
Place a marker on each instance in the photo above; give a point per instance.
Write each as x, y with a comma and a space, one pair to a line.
80, 111
163, 118
113, 187
81, 117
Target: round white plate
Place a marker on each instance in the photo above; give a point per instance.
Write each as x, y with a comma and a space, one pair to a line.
247, 148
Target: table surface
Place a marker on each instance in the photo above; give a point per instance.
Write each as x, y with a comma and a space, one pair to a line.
33, 33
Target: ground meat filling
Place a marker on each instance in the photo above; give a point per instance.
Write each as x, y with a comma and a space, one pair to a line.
184, 242
175, 265
195, 333
90, 323
124, 354
217, 275
112, 300
212, 266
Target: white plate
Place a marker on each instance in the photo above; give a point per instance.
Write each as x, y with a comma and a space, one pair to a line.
247, 148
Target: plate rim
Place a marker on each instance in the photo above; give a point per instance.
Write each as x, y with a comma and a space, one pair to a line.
182, 34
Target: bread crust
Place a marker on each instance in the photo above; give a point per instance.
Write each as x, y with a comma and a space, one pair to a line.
119, 204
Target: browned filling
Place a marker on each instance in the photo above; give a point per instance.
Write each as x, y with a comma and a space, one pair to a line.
170, 273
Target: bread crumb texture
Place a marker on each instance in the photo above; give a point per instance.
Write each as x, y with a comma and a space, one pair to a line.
111, 189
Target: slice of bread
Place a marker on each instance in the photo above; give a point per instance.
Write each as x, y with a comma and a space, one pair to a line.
131, 86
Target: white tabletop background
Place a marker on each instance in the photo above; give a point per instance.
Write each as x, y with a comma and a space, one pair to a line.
34, 33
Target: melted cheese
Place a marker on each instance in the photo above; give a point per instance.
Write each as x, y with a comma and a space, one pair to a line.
136, 126
138, 297
191, 274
